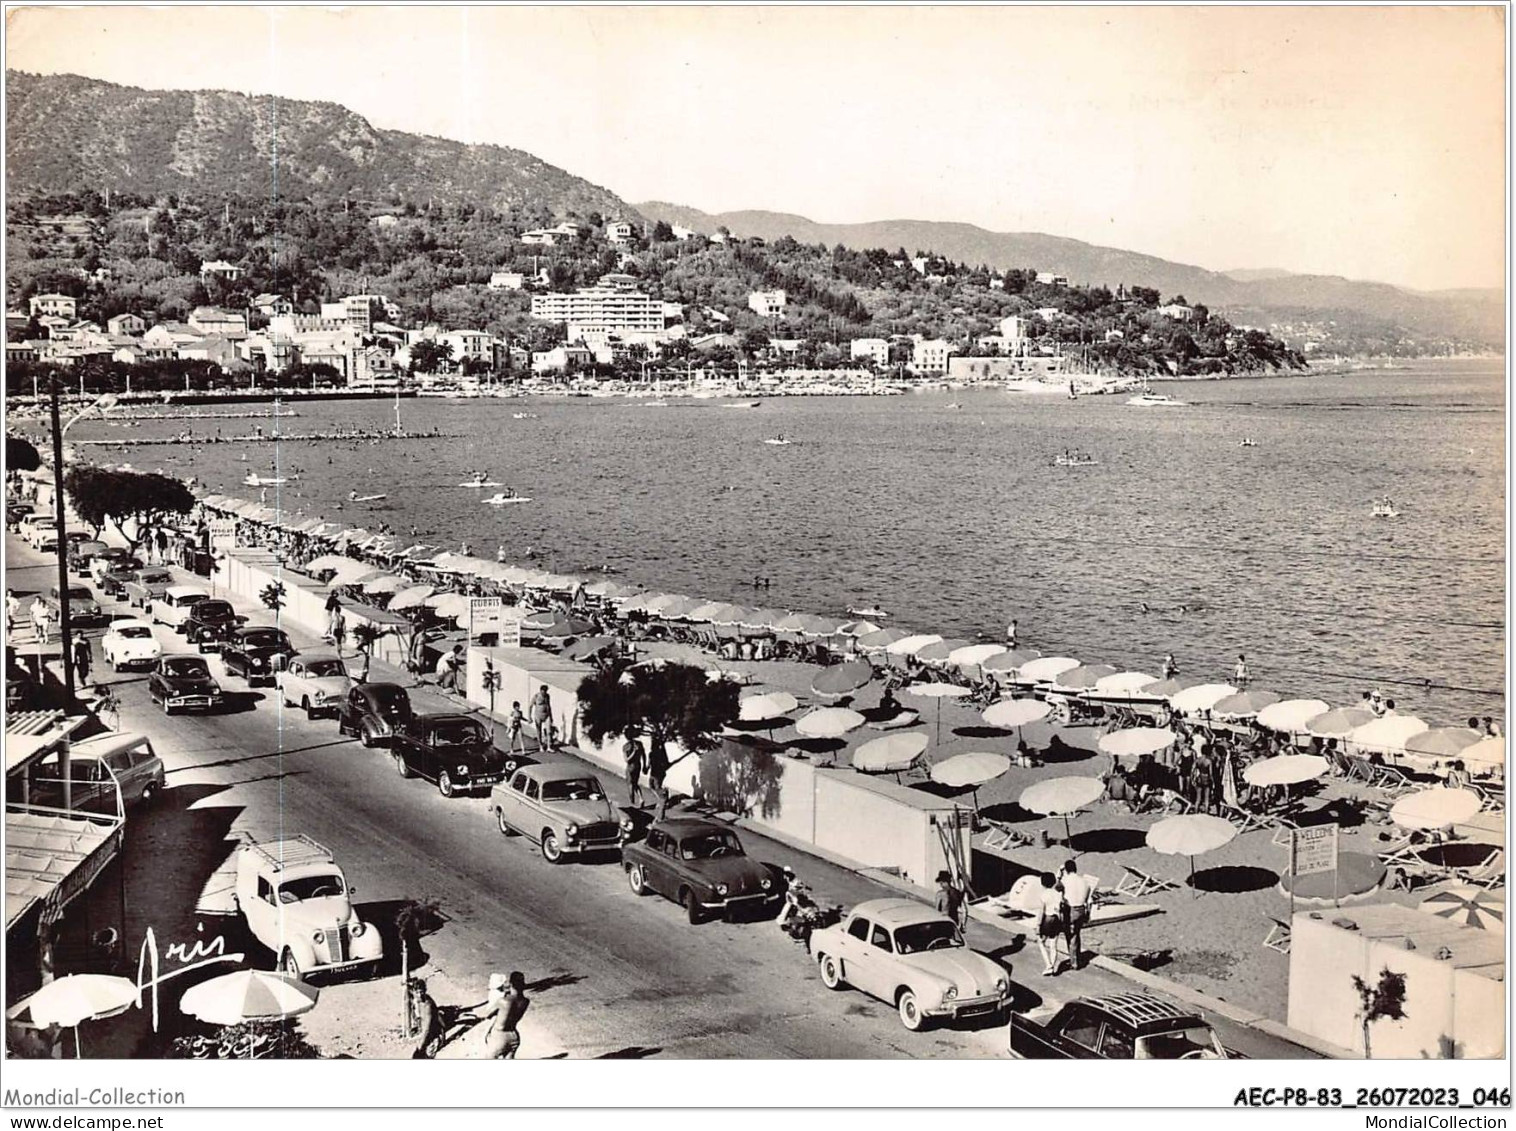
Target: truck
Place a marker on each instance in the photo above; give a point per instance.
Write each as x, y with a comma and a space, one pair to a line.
294, 899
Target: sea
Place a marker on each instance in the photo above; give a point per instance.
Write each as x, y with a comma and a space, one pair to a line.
947, 509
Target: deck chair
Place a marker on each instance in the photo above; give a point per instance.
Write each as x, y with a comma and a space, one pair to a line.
1494, 796
1001, 834
1137, 883
1245, 820
1488, 873
1402, 850
1283, 827
1395, 781
1278, 937
1361, 769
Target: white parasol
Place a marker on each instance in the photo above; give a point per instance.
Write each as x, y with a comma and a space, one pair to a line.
972, 770
1291, 715
830, 722
939, 692
1285, 769
1338, 723
1061, 797
1045, 669
1386, 735
1124, 683
1136, 741
1201, 697
1191, 835
1014, 713
1436, 808
1485, 752
248, 995
774, 705
890, 754
910, 645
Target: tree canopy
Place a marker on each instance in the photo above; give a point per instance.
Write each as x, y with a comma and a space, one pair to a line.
141, 498
677, 703
20, 455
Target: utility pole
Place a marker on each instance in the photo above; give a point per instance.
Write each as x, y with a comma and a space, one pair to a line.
65, 621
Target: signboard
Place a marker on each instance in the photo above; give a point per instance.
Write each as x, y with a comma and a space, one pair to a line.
223, 532
1313, 850
491, 615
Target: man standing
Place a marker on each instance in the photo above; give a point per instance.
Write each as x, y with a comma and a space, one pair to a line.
513, 728
1010, 635
635, 756
950, 900
501, 1038
1240, 673
1076, 910
82, 658
542, 715
1170, 668
657, 769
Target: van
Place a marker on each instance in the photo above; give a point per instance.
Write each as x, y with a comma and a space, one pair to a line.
97, 767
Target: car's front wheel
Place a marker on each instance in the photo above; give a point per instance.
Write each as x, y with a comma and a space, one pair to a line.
289, 964
400, 767
831, 972
445, 785
305, 705
910, 1010
366, 738
635, 879
505, 826
552, 851
691, 906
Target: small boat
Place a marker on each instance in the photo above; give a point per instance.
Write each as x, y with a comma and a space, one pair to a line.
1249, 444
743, 404
867, 611
1155, 400
955, 404
655, 404
778, 441
253, 480
480, 481
354, 497
523, 416
500, 498
1075, 460
1385, 510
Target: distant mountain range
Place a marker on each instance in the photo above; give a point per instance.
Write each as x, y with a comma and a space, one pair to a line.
1270, 296
65, 133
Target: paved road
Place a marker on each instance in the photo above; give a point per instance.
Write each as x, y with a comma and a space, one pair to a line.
617, 975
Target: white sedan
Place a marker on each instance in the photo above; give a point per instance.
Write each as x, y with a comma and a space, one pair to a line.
317, 681
130, 643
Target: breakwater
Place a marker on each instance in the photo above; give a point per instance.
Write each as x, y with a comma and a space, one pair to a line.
374, 436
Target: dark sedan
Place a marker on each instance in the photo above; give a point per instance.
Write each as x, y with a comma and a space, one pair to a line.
183, 683
701, 866
251, 652
373, 712
455, 751
1117, 1027
113, 583
209, 623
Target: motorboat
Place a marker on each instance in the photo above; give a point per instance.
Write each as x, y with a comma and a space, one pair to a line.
778, 441
743, 404
479, 480
866, 611
1249, 444
1385, 509
523, 416
354, 497
500, 499
254, 480
1075, 459
1155, 400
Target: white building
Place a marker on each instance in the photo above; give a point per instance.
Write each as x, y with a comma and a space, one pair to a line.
1048, 278
601, 308
468, 345
539, 237
507, 281
930, 356
373, 370
619, 231
127, 324
60, 306
1013, 328
875, 351
214, 320
682, 234
767, 304
1177, 311
221, 269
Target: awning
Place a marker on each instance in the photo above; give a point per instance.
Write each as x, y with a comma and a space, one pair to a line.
32, 735
50, 859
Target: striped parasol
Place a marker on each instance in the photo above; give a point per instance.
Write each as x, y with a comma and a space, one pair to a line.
1469, 906
248, 995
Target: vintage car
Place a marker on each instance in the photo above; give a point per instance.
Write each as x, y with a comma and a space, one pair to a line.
113, 559
112, 583
147, 586
701, 866
561, 807
455, 751
209, 623
183, 683
83, 609
296, 901
174, 606
130, 643
15, 512
373, 712
912, 956
80, 554
1118, 1027
135, 769
251, 651
316, 680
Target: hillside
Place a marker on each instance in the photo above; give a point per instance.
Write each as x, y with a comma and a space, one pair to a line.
1466, 318
65, 133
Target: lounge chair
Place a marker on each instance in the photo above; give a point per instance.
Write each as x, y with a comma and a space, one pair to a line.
1488, 873
1283, 827
1410, 872
1278, 937
1402, 850
1395, 781
1245, 820
1001, 834
1137, 883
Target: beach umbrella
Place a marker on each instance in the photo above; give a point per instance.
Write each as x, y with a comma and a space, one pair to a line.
1015, 713
1291, 715
1061, 797
1387, 735
858, 628
774, 705
1083, 678
1441, 742
680, 609
248, 995
561, 626
1285, 769
448, 606
973, 655
1436, 808
1472, 907
940, 654
1125, 683
348, 573
1245, 704
821, 626
73, 999
1485, 752
764, 619
939, 692
661, 603
589, 647
890, 754
1167, 687
843, 679
732, 616
383, 583
1338, 723
882, 639
329, 561
830, 722
910, 645
1046, 669
1201, 697
1136, 741
1191, 835
791, 623
972, 770
1009, 661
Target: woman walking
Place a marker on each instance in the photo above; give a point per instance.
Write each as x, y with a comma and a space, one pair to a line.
1049, 923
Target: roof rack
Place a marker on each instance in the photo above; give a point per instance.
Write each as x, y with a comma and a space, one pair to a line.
1141, 1009
290, 851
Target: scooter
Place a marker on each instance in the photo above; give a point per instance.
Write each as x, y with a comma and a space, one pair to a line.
801, 914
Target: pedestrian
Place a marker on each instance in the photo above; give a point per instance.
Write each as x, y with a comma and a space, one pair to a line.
161, 540
1202, 773
449, 667
657, 769
1240, 673
1075, 910
1049, 923
635, 755
426, 1024
12, 609
40, 616
1170, 668
501, 1038
513, 728
82, 659
363, 662
1491, 727
333, 611
950, 901
1184, 769
542, 714
1010, 635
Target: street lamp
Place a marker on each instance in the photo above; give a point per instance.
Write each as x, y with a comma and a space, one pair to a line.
65, 623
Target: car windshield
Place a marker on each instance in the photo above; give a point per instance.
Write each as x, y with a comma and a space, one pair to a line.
938, 934
718, 842
264, 638
311, 887
186, 667
154, 578
213, 610
460, 733
576, 789
325, 667
80, 595
134, 632
390, 701
1197, 1042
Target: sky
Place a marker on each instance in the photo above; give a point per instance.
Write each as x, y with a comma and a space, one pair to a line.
1367, 142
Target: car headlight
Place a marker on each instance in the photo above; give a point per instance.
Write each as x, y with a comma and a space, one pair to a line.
626, 825
952, 992
720, 889
215, 689
1001, 985
767, 883
358, 929
571, 830
462, 771
318, 936
319, 698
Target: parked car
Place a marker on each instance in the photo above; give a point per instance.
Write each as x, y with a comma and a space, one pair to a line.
80, 554
174, 607
83, 609
114, 559
373, 712
183, 683
15, 512
35, 526
455, 751
316, 680
701, 866
250, 652
912, 956
1118, 1027
134, 768
210, 623
148, 585
130, 643
561, 807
